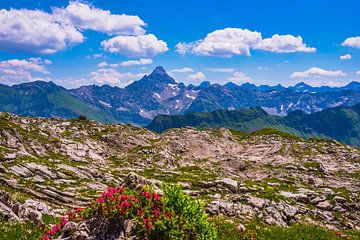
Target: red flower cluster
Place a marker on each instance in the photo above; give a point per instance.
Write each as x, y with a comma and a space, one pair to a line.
51, 232
157, 197
144, 207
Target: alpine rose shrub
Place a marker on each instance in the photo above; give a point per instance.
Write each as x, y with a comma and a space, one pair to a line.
173, 215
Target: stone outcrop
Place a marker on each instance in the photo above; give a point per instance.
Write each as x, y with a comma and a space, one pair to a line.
57, 165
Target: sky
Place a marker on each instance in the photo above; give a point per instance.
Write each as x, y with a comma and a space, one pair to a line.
74, 43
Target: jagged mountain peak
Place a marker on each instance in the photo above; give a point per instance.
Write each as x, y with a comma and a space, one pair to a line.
158, 77
302, 84
159, 70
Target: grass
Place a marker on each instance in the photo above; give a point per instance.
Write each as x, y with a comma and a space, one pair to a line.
315, 165
190, 174
47, 219
343, 192
343, 173
299, 232
19, 231
272, 131
271, 192
255, 230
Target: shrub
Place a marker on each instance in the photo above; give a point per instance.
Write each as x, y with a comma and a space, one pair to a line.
171, 216
82, 118
189, 219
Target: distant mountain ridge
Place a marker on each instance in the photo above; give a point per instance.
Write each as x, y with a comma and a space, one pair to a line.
45, 99
340, 123
159, 93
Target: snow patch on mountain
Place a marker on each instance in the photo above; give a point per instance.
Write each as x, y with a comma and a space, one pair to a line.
105, 104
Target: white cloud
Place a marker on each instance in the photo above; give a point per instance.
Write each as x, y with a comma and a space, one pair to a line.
229, 42
135, 46
239, 77
358, 72
221, 70
102, 64
284, 44
263, 68
17, 71
182, 70
113, 77
97, 55
317, 72
184, 48
345, 57
87, 17
35, 31
199, 76
141, 61
352, 42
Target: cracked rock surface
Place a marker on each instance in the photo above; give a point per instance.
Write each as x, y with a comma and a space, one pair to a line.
50, 165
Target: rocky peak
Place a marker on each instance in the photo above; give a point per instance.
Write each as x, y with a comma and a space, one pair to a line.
156, 80
159, 70
160, 76
302, 87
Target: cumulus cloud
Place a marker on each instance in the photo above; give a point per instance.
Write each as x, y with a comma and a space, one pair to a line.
229, 42
199, 76
35, 31
17, 71
221, 70
181, 70
141, 61
358, 72
85, 17
135, 46
113, 77
226, 43
239, 77
317, 72
184, 48
345, 57
284, 44
352, 42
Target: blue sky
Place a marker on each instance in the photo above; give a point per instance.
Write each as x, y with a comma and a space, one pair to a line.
265, 42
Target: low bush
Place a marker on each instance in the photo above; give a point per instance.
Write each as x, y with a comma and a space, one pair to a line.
173, 215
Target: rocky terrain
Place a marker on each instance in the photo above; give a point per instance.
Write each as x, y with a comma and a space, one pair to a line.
50, 165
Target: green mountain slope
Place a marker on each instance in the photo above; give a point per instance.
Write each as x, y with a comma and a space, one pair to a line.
48, 100
340, 123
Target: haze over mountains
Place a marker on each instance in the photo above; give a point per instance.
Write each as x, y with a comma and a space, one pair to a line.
158, 93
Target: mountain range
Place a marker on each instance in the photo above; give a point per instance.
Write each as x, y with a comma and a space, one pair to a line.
159, 93
340, 123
